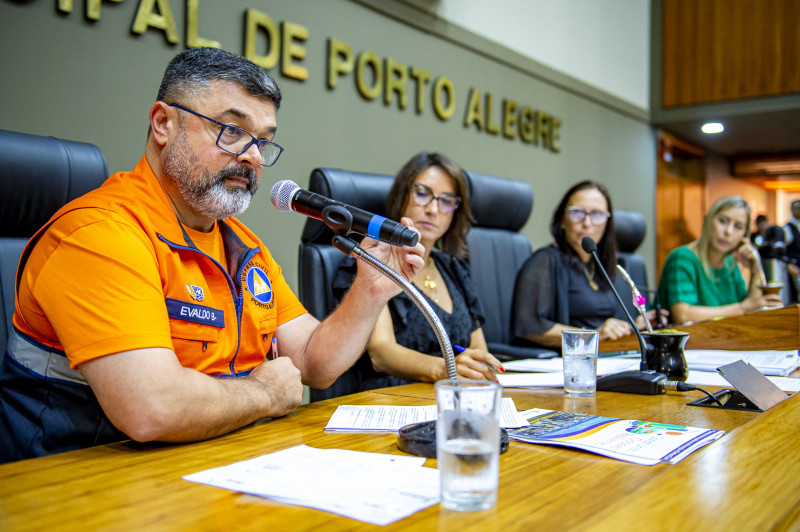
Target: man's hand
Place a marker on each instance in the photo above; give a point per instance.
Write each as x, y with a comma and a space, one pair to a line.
280, 380
407, 261
148, 395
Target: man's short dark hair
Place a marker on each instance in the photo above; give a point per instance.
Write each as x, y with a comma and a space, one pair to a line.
198, 67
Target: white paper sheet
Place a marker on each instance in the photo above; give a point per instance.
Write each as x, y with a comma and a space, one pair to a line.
712, 378
385, 418
532, 380
605, 365
779, 363
371, 487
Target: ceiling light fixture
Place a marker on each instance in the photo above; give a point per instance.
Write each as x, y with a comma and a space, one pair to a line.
711, 128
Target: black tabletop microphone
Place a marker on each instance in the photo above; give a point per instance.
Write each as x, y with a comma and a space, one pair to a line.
643, 381
287, 196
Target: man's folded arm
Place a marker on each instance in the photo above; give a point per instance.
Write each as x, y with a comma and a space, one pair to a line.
149, 396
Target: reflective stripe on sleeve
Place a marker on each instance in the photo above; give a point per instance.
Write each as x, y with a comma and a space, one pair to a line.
45, 363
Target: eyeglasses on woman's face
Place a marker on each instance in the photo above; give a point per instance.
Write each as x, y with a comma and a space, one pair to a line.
423, 195
577, 215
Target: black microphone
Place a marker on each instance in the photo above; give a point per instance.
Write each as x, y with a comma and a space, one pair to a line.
287, 196
644, 381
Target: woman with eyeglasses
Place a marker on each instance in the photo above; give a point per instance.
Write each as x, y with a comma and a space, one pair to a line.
559, 287
431, 190
701, 280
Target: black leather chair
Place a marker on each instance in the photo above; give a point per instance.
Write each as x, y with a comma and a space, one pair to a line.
496, 253
319, 260
629, 229
38, 175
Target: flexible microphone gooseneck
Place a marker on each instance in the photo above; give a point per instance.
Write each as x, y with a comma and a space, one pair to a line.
644, 381
287, 196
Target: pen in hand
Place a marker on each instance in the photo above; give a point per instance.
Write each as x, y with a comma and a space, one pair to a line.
274, 348
461, 350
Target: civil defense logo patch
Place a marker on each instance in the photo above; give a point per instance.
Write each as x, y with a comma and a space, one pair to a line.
195, 292
258, 285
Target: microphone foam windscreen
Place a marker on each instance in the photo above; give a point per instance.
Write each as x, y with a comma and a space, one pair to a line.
588, 245
281, 194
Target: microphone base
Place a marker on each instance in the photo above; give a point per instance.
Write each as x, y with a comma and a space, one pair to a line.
419, 439
643, 382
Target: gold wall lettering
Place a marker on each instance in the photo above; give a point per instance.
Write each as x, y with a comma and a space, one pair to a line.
193, 39
421, 77
92, 7
163, 20
396, 80
292, 34
509, 119
267, 44
444, 85
255, 21
369, 60
474, 113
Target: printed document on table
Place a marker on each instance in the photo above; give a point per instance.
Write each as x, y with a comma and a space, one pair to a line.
639, 442
712, 378
390, 418
605, 366
371, 487
778, 363
531, 380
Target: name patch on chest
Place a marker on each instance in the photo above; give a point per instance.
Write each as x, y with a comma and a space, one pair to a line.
181, 310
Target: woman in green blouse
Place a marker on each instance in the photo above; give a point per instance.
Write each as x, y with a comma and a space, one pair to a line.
701, 280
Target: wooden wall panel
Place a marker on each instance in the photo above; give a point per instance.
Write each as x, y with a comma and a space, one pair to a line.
721, 50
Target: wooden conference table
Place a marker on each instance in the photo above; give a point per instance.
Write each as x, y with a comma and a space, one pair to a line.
748, 480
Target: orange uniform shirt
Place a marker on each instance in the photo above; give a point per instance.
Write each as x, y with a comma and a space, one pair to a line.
115, 271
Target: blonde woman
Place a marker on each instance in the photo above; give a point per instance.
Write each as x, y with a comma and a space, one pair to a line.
702, 280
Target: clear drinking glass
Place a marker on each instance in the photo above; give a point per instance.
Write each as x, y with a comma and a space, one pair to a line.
579, 349
468, 443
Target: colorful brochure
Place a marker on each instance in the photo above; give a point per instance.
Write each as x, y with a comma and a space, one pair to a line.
640, 442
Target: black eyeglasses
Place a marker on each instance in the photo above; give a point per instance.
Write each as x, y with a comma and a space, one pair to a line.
236, 140
423, 195
577, 215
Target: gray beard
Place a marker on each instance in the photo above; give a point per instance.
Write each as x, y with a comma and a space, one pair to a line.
207, 194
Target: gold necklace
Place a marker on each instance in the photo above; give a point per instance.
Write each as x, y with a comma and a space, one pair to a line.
431, 284
590, 277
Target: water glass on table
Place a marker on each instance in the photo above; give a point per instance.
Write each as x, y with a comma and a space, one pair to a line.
468, 443
579, 349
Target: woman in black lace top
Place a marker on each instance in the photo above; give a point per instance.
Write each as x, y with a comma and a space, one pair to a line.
431, 190
559, 286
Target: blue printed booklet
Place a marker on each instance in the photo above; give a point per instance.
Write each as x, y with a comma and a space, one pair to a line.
640, 442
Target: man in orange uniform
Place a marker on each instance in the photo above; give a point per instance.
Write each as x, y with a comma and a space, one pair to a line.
144, 309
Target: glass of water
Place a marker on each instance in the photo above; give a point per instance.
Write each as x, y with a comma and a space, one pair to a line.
579, 349
468, 443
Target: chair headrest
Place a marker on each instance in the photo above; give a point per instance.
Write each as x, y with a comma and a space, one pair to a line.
629, 229
499, 203
38, 175
363, 190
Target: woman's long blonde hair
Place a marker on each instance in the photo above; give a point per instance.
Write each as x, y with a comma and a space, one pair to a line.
722, 204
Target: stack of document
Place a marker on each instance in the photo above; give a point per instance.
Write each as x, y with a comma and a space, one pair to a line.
703, 364
778, 363
605, 366
384, 418
371, 487
639, 442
